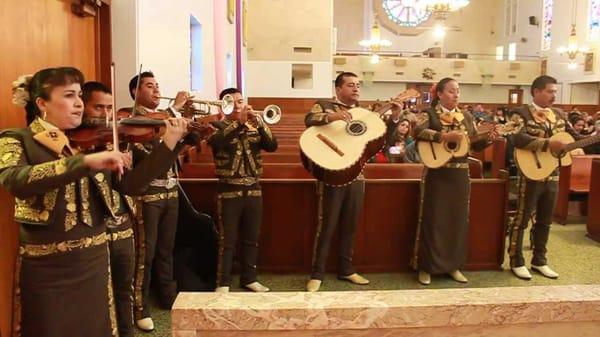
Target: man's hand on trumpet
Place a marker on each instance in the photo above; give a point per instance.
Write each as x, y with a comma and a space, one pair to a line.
248, 116
253, 118
181, 100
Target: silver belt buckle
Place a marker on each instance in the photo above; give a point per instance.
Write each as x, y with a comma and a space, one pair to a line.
171, 182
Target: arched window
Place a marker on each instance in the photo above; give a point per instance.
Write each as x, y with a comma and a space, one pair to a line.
547, 24
404, 13
594, 20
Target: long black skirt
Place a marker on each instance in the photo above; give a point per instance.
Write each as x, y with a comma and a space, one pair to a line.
442, 233
64, 294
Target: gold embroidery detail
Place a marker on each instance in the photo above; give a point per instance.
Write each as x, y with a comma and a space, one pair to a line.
229, 128
26, 211
116, 201
33, 250
221, 240
41, 171
70, 216
141, 147
230, 195
36, 126
105, 190
268, 132
11, 152
254, 193
112, 311
131, 204
249, 155
246, 181
316, 108
160, 196
61, 166
125, 234
457, 165
86, 216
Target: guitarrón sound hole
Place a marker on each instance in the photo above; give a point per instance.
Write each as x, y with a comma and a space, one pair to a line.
356, 128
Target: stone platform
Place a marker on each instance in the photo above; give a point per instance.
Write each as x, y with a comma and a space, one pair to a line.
548, 311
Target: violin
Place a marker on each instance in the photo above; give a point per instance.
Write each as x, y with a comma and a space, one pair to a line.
94, 133
143, 128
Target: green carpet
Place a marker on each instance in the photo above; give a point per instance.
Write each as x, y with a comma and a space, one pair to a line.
570, 253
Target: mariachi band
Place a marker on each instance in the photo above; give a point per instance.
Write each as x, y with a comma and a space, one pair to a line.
97, 197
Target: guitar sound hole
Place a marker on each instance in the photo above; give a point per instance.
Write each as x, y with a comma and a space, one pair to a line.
452, 146
356, 128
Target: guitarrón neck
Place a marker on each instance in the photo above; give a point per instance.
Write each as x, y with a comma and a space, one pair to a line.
385, 107
583, 142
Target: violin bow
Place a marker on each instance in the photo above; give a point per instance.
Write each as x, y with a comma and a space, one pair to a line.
115, 131
137, 88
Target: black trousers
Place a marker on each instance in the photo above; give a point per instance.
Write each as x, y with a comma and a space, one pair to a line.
538, 196
122, 264
340, 206
160, 226
239, 213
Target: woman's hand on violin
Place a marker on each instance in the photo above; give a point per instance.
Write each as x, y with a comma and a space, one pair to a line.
181, 99
108, 160
176, 128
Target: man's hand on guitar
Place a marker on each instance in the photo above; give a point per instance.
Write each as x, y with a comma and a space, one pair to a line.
556, 145
342, 115
452, 136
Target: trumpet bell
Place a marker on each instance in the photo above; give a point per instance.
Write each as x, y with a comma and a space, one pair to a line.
272, 114
227, 104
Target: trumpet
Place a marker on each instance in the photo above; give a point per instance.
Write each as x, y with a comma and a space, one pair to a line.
203, 108
270, 115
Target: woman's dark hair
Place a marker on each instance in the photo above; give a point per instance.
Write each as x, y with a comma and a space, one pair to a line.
574, 119
44, 81
439, 88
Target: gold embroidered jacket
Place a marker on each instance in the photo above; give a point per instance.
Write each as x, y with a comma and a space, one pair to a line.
430, 127
318, 113
51, 189
236, 148
532, 134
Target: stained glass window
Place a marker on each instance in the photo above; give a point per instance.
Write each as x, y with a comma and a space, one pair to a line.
547, 24
404, 13
594, 19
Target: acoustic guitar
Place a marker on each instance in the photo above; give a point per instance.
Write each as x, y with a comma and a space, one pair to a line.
335, 153
435, 155
538, 165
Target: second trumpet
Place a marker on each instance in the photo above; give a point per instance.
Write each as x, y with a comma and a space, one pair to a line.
226, 104
270, 115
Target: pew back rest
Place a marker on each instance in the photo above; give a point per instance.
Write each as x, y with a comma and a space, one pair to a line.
581, 171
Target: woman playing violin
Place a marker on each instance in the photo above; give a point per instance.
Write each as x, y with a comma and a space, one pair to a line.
62, 198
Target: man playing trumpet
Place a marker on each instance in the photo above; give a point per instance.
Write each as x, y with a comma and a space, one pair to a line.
236, 146
160, 207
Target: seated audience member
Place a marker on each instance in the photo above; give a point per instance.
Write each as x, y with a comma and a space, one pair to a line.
398, 140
